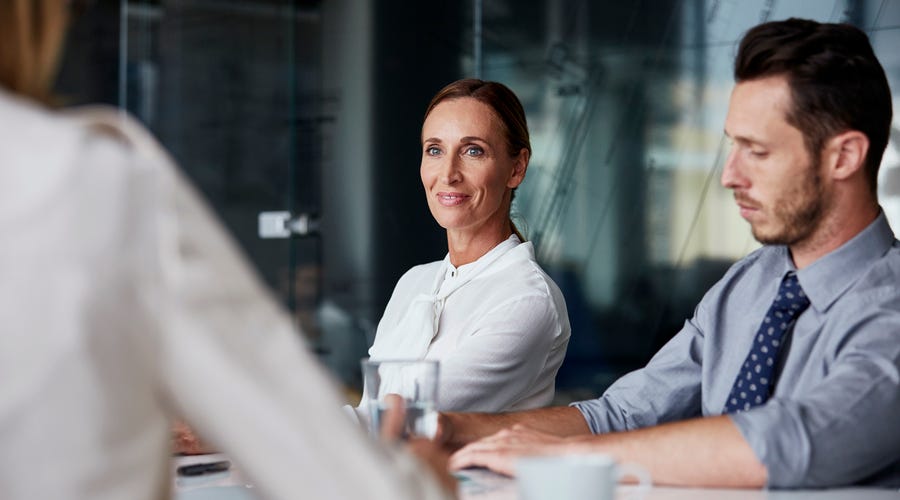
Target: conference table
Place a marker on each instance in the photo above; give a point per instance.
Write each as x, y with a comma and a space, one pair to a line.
480, 484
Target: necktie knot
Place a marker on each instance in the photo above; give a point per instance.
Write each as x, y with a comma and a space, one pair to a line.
790, 299
756, 378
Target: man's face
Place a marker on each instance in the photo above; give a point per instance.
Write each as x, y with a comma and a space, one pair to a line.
776, 184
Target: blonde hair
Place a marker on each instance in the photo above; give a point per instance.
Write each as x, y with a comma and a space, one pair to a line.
31, 36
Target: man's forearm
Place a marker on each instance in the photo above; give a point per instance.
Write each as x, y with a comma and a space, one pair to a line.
458, 429
703, 452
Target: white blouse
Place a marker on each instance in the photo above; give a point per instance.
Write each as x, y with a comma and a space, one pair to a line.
498, 326
122, 303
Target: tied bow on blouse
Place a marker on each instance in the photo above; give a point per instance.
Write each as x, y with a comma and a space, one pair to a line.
413, 334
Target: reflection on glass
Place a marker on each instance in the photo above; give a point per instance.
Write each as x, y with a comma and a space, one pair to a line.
268, 104
627, 104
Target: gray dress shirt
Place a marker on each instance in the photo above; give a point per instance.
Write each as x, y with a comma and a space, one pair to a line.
834, 415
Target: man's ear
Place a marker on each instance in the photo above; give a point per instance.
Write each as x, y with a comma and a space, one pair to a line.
520, 165
846, 154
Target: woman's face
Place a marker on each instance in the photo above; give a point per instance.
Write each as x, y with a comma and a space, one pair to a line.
466, 169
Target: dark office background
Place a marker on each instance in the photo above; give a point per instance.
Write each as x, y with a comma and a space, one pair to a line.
314, 107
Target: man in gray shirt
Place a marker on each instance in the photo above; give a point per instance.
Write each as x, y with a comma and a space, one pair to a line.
800, 392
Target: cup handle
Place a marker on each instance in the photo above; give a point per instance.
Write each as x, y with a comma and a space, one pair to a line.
644, 482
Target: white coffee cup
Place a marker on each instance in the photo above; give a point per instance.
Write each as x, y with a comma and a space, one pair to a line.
574, 477
415, 381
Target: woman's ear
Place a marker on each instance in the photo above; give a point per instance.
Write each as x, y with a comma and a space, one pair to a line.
846, 154
520, 165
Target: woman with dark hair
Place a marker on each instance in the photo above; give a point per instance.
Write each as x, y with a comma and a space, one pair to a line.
488, 312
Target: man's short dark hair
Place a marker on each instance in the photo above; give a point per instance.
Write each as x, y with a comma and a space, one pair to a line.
836, 82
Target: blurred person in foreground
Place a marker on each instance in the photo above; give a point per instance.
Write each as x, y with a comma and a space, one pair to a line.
123, 302
799, 391
488, 312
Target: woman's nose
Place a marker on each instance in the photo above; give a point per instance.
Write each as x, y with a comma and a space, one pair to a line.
450, 173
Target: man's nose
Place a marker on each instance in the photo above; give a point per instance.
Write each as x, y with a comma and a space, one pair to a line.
732, 177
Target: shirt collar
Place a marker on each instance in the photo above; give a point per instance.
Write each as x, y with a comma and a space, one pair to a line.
830, 276
452, 273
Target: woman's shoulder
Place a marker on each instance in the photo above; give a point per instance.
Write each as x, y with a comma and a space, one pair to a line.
28, 125
47, 152
519, 269
419, 279
420, 273
517, 277
104, 125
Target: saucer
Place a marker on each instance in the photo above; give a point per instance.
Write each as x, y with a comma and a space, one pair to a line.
217, 493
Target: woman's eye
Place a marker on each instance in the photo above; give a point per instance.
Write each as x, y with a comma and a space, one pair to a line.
432, 151
474, 151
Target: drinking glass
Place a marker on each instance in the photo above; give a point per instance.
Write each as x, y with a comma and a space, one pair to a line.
415, 381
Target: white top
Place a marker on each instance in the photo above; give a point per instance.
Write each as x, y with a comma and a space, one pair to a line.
498, 326
123, 302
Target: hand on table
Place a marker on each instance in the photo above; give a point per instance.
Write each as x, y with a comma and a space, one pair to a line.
499, 451
185, 442
429, 452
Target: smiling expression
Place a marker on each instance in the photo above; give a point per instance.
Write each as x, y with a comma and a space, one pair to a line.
467, 170
776, 184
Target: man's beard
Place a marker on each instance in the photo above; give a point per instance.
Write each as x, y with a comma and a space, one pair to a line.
798, 212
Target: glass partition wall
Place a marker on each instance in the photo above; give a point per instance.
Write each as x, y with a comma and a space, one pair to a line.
232, 88
626, 103
299, 121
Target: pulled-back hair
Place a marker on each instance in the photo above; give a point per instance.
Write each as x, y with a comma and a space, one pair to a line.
506, 107
836, 82
500, 99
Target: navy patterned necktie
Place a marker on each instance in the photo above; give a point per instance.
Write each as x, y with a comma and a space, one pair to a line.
753, 384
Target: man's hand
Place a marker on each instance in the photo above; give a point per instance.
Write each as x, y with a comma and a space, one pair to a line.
701, 452
500, 451
456, 430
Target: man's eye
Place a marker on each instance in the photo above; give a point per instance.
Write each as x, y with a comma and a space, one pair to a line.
759, 154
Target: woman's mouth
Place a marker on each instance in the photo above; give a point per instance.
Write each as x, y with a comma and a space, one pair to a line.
451, 199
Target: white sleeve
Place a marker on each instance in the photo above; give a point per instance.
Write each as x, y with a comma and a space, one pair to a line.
232, 365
